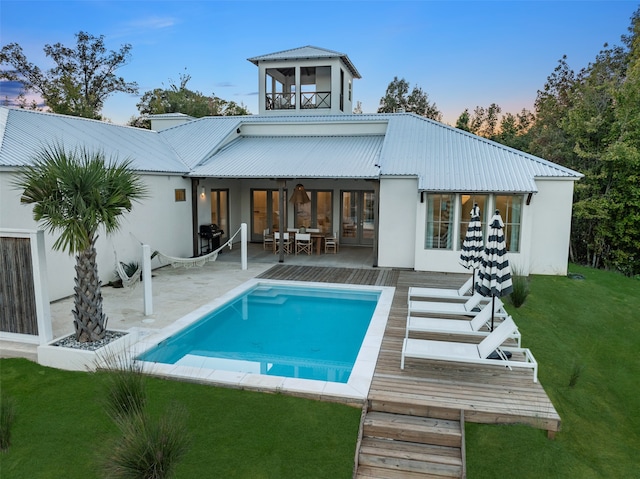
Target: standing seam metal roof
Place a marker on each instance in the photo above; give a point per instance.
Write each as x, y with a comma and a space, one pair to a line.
24, 133
296, 157
443, 158
307, 52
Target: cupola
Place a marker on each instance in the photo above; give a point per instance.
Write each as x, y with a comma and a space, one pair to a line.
305, 81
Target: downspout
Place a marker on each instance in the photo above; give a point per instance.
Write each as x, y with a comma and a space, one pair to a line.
194, 215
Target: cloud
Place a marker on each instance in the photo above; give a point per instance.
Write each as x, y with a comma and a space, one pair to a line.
10, 92
143, 26
153, 23
224, 84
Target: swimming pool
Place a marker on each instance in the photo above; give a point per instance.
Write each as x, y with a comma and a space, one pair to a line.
308, 338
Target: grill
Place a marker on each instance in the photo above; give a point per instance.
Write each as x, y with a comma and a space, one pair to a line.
209, 238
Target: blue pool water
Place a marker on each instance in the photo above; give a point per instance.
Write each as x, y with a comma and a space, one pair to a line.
290, 331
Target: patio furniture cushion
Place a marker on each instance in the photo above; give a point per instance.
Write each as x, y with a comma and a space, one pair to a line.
466, 308
455, 326
472, 353
461, 292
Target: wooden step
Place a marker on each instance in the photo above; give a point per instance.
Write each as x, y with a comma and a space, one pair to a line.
391, 405
423, 430
399, 459
367, 472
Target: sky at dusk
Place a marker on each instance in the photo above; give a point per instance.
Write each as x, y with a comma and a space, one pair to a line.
461, 53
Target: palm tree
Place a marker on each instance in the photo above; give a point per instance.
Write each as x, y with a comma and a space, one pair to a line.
76, 193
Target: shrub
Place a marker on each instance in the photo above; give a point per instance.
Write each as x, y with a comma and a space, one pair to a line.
148, 449
126, 393
7, 418
520, 287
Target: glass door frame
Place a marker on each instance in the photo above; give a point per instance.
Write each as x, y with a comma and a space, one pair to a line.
254, 235
220, 214
359, 214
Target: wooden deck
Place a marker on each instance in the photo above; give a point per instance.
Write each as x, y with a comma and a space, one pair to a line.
412, 424
485, 394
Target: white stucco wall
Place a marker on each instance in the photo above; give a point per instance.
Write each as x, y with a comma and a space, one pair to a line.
550, 211
544, 240
159, 221
397, 235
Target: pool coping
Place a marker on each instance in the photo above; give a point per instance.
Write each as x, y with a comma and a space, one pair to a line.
355, 390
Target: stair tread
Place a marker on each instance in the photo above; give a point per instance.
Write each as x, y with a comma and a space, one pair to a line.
369, 472
411, 450
401, 446
405, 419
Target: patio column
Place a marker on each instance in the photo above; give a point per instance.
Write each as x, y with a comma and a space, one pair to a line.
281, 199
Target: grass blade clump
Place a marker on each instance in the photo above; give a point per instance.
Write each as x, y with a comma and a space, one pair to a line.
126, 393
520, 287
148, 448
7, 418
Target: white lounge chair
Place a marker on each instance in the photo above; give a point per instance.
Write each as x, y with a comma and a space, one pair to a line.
461, 292
455, 326
472, 353
477, 301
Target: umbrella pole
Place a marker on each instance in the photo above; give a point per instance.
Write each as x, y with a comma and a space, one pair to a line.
493, 308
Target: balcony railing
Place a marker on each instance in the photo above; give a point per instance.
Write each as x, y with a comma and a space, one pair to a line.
281, 101
311, 100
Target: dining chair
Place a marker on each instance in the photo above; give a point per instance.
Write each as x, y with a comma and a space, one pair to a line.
303, 243
267, 239
331, 243
286, 242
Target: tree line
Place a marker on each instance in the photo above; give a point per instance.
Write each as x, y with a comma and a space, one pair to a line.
588, 121
85, 76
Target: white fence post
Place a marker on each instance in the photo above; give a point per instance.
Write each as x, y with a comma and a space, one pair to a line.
243, 245
146, 280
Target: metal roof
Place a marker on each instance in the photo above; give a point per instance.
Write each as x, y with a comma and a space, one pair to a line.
441, 157
23, 133
296, 157
304, 53
195, 140
448, 159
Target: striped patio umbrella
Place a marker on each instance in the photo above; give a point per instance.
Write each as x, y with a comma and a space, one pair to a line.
472, 247
494, 274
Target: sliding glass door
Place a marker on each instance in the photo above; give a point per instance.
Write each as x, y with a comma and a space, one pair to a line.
220, 210
357, 217
265, 208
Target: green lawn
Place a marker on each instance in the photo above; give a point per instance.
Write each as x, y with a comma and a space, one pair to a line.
589, 329
62, 428
586, 329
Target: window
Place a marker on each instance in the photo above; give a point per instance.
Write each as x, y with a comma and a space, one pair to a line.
466, 203
180, 194
510, 208
341, 90
439, 222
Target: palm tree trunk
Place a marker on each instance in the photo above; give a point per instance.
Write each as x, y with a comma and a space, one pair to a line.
89, 320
